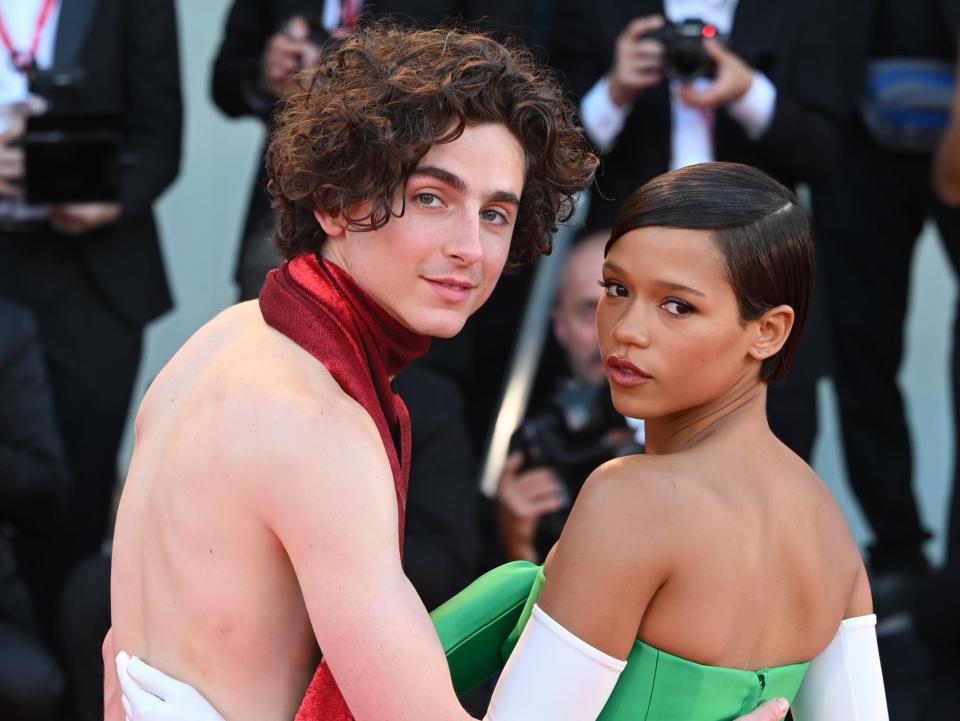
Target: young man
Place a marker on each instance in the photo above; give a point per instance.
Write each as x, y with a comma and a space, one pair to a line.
261, 513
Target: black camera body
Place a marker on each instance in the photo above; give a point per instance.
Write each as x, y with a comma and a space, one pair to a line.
572, 431
69, 156
685, 57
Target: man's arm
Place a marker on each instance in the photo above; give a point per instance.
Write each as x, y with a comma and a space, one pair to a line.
332, 505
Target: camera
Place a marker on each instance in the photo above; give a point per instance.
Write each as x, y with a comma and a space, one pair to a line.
573, 431
685, 57
69, 156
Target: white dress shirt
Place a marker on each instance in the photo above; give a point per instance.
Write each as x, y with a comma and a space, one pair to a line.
691, 128
20, 19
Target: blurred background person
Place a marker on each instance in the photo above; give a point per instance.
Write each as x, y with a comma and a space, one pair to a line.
576, 430
441, 540
868, 215
760, 83
947, 164
91, 273
33, 484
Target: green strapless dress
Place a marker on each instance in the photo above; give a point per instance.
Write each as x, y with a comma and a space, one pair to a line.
658, 686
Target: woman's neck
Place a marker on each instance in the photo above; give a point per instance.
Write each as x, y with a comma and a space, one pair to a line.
743, 405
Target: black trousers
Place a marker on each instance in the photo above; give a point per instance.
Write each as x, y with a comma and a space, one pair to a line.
92, 356
31, 684
867, 222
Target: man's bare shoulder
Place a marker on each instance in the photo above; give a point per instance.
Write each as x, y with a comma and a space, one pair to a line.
262, 402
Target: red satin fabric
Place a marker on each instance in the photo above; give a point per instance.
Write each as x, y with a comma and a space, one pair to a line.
319, 306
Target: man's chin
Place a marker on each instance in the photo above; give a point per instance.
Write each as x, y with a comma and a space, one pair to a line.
447, 325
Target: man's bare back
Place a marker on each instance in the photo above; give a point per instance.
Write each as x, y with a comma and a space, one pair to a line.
200, 583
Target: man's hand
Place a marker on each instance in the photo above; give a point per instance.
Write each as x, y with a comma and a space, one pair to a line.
733, 79
522, 498
772, 710
288, 51
11, 159
78, 218
637, 61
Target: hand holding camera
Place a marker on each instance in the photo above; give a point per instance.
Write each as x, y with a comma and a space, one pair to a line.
289, 50
523, 497
638, 60
733, 78
11, 156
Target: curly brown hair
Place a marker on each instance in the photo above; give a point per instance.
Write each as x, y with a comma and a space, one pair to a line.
353, 130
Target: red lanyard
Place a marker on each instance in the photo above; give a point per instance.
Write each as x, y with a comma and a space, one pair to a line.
349, 13
23, 61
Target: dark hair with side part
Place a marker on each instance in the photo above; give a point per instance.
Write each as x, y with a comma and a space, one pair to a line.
761, 231
353, 131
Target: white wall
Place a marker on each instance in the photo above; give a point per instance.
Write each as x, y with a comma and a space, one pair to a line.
200, 221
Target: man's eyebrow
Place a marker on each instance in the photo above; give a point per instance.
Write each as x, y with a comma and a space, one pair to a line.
505, 196
444, 176
458, 184
614, 268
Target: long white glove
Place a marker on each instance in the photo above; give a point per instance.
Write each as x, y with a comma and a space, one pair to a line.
845, 681
151, 695
554, 675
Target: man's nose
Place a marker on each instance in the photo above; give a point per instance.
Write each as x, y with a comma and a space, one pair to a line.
463, 244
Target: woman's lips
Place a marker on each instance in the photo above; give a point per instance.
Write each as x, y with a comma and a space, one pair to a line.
624, 373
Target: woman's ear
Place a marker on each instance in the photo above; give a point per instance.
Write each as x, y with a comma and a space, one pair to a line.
772, 330
333, 225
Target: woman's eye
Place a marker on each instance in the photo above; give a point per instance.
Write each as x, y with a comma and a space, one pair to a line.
613, 289
677, 307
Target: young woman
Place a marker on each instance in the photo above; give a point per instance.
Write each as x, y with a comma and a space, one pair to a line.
701, 578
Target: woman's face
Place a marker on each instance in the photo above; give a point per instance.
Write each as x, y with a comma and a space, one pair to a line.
670, 331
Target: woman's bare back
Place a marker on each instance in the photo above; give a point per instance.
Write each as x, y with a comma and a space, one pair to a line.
747, 557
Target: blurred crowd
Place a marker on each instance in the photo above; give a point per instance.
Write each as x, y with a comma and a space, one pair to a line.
855, 102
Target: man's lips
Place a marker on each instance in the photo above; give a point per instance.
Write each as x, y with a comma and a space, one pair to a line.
624, 373
449, 288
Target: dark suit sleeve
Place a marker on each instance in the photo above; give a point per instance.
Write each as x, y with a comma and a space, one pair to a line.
33, 476
236, 70
152, 115
577, 47
440, 547
814, 98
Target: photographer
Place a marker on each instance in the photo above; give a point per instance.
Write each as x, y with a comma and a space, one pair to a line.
555, 451
91, 273
33, 480
761, 83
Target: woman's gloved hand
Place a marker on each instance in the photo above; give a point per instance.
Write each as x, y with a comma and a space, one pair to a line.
151, 695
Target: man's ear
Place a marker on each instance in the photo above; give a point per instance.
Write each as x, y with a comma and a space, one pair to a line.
333, 225
772, 330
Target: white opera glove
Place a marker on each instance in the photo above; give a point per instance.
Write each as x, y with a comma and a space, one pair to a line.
151, 695
845, 680
554, 675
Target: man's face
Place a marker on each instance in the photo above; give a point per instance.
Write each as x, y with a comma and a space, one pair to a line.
575, 316
437, 263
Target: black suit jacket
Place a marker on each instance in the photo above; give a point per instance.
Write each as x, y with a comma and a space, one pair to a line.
128, 49
800, 46
33, 475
